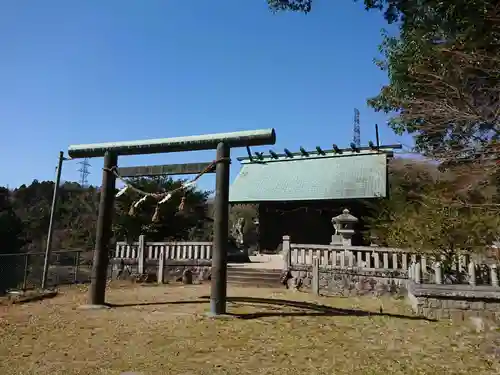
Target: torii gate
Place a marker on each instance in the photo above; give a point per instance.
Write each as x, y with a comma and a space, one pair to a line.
222, 142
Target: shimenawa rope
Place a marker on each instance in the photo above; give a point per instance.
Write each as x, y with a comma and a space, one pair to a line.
161, 197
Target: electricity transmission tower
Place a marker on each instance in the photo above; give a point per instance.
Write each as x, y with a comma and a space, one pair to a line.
84, 172
356, 139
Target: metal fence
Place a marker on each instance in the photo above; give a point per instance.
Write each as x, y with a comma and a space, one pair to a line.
24, 270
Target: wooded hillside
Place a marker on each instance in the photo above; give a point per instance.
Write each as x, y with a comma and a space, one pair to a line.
425, 211
25, 214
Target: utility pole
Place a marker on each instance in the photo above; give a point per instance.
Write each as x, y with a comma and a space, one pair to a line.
51, 222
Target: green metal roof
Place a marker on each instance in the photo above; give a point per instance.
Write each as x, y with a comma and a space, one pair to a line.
315, 177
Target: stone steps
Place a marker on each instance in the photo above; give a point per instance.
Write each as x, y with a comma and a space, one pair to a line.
251, 277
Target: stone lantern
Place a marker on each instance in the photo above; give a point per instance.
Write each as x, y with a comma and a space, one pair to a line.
344, 228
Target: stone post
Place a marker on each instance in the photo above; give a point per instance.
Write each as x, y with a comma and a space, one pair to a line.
438, 273
161, 265
141, 255
417, 271
472, 273
315, 276
286, 253
494, 275
410, 271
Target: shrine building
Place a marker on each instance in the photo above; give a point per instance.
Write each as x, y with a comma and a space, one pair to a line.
298, 193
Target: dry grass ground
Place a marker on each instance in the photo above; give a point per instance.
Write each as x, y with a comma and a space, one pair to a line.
164, 330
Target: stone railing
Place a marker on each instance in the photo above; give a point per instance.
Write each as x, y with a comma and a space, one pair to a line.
364, 257
171, 250
155, 257
296, 256
347, 270
415, 274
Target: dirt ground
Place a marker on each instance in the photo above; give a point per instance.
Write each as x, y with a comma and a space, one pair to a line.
165, 330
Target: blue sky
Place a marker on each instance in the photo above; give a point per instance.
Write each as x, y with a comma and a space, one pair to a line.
89, 71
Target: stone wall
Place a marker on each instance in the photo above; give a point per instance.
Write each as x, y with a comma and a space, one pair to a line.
336, 281
174, 270
124, 269
456, 302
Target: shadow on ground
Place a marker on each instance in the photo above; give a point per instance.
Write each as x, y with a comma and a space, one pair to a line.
115, 305
303, 308
307, 309
28, 296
